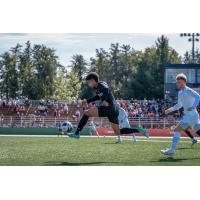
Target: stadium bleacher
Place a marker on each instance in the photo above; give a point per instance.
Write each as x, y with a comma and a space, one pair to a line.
45, 113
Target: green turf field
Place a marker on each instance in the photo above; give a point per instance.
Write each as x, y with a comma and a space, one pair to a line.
92, 151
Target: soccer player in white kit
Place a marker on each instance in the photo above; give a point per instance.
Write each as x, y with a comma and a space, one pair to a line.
125, 127
93, 129
189, 100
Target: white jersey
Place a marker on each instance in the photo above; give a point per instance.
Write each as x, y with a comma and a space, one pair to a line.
92, 126
188, 98
123, 118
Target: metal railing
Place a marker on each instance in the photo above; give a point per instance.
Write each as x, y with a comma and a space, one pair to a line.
39, 121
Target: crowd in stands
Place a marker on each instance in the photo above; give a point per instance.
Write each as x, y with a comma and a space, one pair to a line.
135, 108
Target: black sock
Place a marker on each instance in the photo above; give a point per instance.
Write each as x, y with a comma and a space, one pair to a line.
128, 130
82, 123
189, 134
198, 132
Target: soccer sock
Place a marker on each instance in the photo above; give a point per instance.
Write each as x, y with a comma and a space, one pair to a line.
198, 132
82, 123
134, 138
128, 130
175, 140
118, 138
189, 134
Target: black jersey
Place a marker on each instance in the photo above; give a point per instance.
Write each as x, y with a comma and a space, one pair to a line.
103, 93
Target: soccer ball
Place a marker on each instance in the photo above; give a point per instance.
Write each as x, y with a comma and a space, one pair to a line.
65, 127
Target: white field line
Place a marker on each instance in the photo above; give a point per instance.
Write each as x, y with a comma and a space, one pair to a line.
139, 138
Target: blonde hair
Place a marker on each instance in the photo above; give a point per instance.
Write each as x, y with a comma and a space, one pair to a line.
181, 76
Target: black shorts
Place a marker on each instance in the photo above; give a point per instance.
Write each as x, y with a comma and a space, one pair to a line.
110, 112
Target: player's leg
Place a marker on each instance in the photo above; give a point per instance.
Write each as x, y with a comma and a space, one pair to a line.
112, 115
139, 129
189, 134
131, 131
128, 131
175, 140
88, 113
196, 128
116, 130
194, 122
97, 133
194, 140
125, 128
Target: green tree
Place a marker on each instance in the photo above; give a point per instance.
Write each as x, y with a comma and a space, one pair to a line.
101, 65
79, 65
27, 78
9, 75
67, 86
45, 65
148, 82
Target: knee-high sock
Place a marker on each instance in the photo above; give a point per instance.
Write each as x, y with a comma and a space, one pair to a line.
198, 132
189, 134
82, 123
128, 130
175, 140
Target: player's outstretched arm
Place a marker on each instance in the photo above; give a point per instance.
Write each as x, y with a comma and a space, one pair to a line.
175, 107
95, 98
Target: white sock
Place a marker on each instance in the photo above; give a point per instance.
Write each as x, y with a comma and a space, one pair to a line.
118, 137
175, 141
133, 138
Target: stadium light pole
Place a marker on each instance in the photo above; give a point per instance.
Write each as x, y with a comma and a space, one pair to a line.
193, 37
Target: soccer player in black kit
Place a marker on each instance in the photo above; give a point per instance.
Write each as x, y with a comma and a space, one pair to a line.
107, 108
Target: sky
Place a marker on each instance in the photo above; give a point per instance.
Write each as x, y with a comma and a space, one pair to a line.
68, 44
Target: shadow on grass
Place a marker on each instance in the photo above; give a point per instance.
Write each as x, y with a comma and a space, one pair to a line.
110, 143
86, 164
183, 148
171, 159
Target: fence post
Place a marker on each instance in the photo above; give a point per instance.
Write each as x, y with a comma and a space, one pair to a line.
11, 120
139, 121
55, 121
21, 121
151, 123
164, 123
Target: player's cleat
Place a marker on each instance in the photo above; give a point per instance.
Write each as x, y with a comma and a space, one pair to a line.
74, 135
194, 141
142, 130
167, 152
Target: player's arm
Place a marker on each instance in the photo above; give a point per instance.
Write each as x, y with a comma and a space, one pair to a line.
95, 98
104, 92
175, 107
196, 97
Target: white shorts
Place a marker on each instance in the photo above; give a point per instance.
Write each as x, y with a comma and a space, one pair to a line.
190, 120
124, 124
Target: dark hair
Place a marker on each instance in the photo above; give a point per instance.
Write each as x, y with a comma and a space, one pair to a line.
92, 75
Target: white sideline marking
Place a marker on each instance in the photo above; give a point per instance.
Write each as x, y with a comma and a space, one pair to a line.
139, 138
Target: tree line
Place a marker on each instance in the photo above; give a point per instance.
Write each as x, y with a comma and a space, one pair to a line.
34, 71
